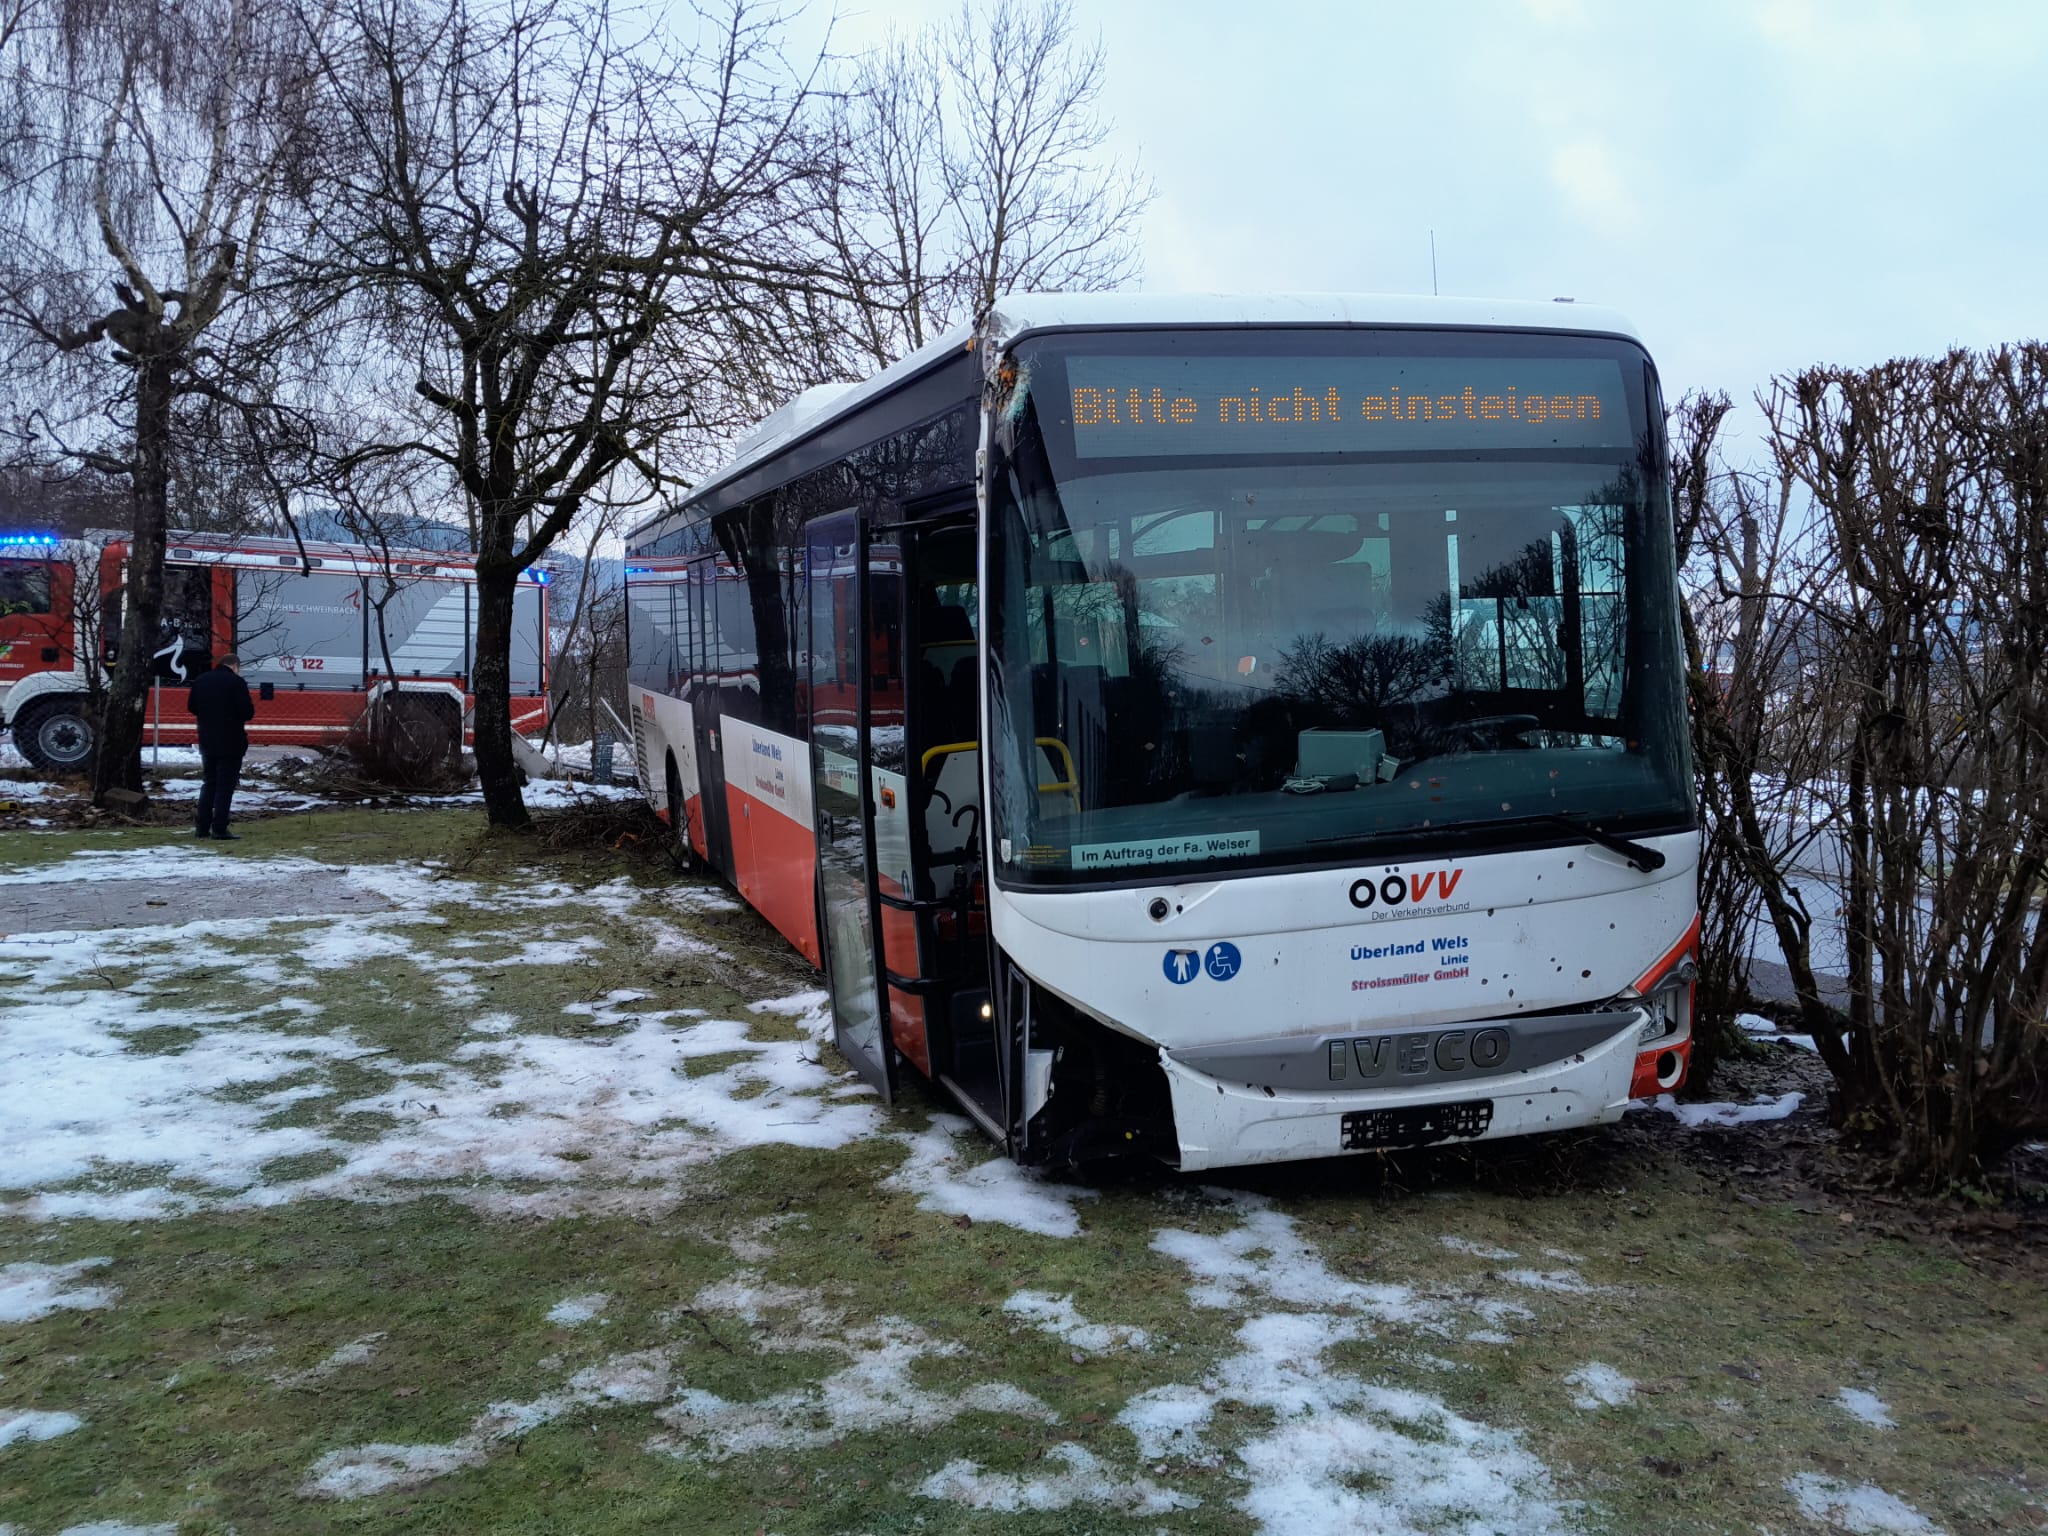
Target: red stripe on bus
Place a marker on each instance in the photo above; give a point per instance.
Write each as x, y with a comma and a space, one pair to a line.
775, 862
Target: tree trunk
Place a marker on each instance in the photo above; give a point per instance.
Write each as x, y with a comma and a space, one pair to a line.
117, 764
497, 583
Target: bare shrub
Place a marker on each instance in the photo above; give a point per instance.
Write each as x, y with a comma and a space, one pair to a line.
408, 740
1903, 750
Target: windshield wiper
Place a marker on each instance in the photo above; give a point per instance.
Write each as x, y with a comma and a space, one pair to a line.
1639, 855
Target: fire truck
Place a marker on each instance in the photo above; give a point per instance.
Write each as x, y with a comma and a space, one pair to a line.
324, 631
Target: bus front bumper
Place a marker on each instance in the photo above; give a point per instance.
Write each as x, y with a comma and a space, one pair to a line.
1223, 1124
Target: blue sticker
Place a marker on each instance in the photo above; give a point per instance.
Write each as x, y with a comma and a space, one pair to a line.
1182, 966
1223, 961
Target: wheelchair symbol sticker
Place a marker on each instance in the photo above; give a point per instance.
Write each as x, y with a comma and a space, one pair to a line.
1182, 966
1223, 961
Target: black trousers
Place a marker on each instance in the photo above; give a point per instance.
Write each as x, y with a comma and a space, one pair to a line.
223, 771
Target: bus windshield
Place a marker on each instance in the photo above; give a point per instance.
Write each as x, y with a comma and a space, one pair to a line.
1272, 599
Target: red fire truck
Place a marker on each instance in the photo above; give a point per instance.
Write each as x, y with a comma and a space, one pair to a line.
323, 631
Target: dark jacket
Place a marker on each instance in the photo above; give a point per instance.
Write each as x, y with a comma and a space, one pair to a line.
220, 702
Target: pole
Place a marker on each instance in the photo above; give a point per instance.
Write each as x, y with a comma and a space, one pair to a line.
156, 727
1432, 263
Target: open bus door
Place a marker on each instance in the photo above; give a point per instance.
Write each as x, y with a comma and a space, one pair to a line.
843, 794
941, 961
704, 697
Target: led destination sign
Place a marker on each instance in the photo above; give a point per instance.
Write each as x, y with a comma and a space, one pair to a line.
1120, 407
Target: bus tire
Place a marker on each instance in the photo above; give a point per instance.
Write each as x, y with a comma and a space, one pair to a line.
679, 821
56, 735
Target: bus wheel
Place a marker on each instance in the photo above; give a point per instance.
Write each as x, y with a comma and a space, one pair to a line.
679, 820
56, 735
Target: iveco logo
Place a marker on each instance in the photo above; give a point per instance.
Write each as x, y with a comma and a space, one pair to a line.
1452, 1051
1398, 890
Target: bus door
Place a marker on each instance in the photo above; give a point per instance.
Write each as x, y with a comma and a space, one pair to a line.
844, 789
947, 907
704, 717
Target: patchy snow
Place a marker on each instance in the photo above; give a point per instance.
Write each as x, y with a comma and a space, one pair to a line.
1477, 1250
1564, 1281
1057, 1316
645, 1376
168, 861
1697, 1115
30, 1291
1600, 1386
1342, 1454
874, 1391
598, 1122
1083, 1480
573, 1311
33, 1424
1862, 1509
938, 1172
359, 1351
1761, 1028
1265, 1257
1867, 1407
362, 1470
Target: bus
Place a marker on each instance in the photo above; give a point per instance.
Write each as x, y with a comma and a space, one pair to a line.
323, 629
1214, 730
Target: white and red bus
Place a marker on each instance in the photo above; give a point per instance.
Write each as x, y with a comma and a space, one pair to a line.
1222, 730
312, 624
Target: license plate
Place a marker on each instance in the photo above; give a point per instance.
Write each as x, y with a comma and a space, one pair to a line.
1416, 1126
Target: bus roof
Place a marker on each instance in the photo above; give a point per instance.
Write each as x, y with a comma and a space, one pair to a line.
1017, 315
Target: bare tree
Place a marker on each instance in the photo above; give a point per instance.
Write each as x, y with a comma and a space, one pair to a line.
975, 166
146, 146
576, 233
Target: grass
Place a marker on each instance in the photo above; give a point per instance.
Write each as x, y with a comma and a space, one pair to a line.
205, 1403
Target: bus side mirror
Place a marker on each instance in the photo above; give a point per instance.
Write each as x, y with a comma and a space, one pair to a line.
266, 691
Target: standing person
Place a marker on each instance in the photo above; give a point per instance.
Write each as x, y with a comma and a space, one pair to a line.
220, 702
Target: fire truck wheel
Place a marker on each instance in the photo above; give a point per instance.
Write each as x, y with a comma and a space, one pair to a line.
55, 735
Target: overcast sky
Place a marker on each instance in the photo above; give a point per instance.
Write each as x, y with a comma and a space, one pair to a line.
1758, 185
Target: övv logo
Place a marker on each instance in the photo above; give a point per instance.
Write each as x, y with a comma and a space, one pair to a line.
1427, 890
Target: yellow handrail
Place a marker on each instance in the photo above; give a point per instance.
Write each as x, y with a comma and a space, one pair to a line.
1070, 786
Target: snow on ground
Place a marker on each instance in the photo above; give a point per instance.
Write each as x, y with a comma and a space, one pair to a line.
875, 1391
1058, 1316
1342, 1454
354, 1472
573, 1311
31, 1424
104, 1124
1083, 1480
1866, 1407
30, 1291
939, 1173
1760, 1028
359, 1351
1569, 1282
1477, 1250
169, 861
1600, 1386
1697, 1115
105, 1528
1861, 1509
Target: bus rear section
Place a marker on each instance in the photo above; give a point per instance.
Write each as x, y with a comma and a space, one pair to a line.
1271, 746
